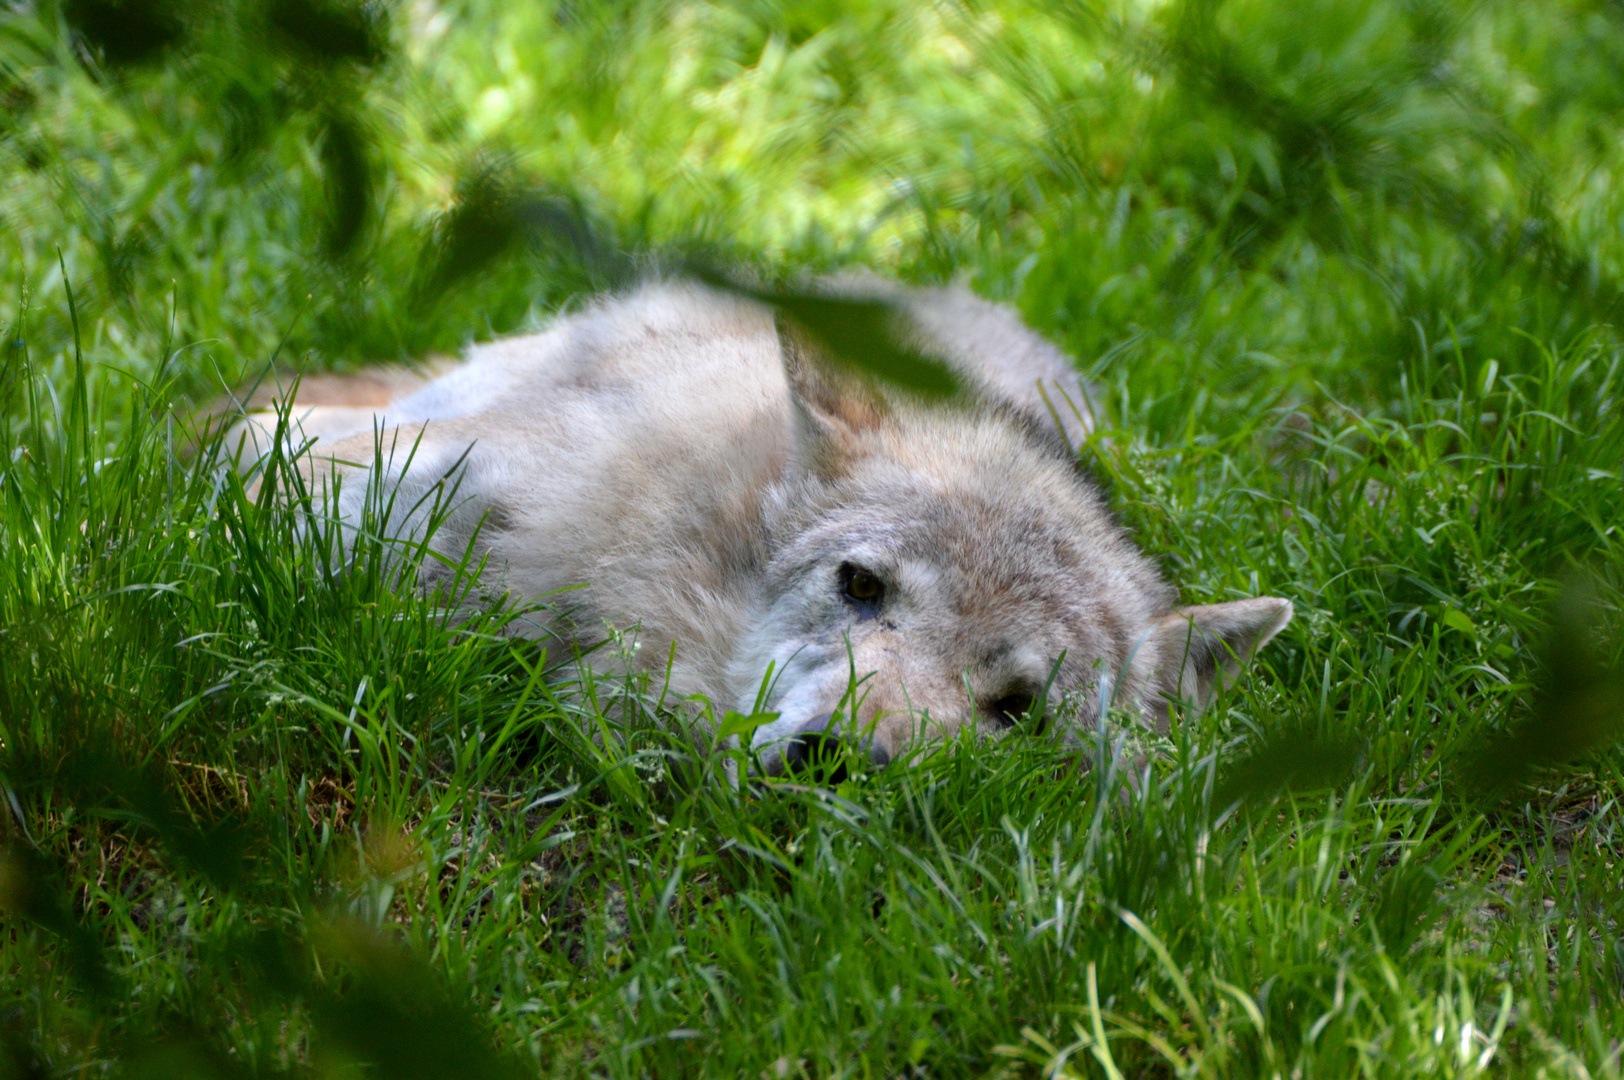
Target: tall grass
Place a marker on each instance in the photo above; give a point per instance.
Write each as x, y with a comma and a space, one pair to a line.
1349, 273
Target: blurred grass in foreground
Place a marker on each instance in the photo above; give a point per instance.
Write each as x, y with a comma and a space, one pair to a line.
1350, 272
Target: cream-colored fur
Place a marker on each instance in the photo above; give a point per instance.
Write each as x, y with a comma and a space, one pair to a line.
699, 476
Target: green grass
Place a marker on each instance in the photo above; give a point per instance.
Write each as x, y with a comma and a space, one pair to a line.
1350, 273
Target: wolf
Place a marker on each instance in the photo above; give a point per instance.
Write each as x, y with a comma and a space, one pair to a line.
781, 536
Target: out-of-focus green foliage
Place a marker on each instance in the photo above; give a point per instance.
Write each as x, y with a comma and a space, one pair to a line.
1337, 185
1350, 273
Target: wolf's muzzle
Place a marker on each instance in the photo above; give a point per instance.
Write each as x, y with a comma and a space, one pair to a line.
814, 748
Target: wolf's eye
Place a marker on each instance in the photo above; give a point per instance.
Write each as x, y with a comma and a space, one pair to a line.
863, 588
1010, 709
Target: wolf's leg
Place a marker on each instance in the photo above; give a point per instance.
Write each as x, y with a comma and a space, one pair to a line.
249, 439
370, 388
320, 407
399, 480
455, 477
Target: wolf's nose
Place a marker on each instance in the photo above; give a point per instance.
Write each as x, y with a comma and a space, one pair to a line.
814, 747
820, 753
818, 725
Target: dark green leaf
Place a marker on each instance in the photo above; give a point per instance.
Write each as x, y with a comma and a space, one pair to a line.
333, 30
1577, 707
348, 176
854, 331
1295, 758
125, 33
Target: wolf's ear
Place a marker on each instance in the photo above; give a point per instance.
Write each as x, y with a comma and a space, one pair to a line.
834, 405
1199, 647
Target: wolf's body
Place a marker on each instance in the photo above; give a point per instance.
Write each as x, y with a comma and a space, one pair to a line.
694, 472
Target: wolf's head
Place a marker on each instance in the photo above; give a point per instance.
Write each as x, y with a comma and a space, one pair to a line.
939, 568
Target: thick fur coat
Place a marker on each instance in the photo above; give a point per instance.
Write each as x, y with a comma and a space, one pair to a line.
703, 480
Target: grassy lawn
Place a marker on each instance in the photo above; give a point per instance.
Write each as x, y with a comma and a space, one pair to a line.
1351, 273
